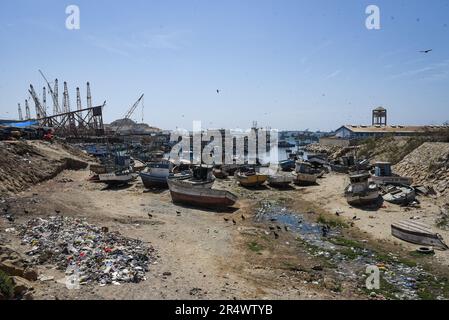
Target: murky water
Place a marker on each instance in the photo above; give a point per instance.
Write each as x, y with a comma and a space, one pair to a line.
350, 261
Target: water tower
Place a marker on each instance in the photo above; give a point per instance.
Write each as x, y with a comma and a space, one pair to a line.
380, 117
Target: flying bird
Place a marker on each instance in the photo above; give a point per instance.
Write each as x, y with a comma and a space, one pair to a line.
218, 91
426, 51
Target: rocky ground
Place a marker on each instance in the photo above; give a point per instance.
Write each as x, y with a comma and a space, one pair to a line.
428, 165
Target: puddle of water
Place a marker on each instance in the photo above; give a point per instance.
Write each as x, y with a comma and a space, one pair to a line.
351, 265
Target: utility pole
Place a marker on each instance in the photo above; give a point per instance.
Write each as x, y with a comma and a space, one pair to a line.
27, 110
78, 99
20, 113
89, 96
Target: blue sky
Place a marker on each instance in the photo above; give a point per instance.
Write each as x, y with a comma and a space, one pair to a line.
287, 64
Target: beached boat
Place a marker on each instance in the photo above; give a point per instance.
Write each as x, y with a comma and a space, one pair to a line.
201, 177
384, 175
157, 174
280, 180
418, 233
287, 165
361, 191
203, 197
305, 174
117, 178
220, 173
401, 195
250, 178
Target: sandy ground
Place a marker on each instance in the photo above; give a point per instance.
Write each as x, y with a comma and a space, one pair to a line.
375, 223
207, 257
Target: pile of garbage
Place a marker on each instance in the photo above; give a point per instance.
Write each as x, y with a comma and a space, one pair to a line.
93, 253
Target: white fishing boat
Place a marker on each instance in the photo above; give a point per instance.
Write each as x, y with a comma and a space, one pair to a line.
361, 191
401, 195
418, 233
117, 178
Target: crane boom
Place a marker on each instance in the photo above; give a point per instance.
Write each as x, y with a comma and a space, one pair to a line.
53, 95
129, 113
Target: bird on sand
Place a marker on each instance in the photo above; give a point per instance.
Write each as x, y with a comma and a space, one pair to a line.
426, 51
234, 222
276, 236
226, 219
243, 217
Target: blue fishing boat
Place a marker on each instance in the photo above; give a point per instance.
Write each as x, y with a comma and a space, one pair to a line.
157, 174
287, 165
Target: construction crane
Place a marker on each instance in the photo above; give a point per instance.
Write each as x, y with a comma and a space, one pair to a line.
128, 114
40, 112
89, 96
27, 110
66, 104
78, 99
44, 100
20, 113
54, 94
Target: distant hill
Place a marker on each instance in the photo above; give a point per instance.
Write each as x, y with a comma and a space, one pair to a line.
128, 125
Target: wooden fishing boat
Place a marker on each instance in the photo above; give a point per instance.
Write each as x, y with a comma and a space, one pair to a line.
418, 233
401, 195
384, 175
305, 174
287, 165
280, 180
361, 191
157, 174
250, 178
220, 173
201, 177
117, 178
203, 197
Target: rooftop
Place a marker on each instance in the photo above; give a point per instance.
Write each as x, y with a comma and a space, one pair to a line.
393, 128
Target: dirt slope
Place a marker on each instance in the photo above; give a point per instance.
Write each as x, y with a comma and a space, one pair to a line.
25, 163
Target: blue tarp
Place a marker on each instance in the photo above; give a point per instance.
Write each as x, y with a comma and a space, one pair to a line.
19, 124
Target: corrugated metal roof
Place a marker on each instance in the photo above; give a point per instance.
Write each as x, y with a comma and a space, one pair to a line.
393, 129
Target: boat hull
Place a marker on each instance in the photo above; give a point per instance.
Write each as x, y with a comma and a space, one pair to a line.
202, 197
417, 233
304, 179
114, 179
279, 181
364, 197
252, 180
152, 181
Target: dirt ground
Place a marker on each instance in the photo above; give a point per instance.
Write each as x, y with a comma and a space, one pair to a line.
207, 257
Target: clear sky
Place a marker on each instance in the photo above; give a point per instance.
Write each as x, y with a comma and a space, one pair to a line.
289, 64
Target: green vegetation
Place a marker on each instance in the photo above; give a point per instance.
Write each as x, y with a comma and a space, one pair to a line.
331, 221
6, 285
255, 247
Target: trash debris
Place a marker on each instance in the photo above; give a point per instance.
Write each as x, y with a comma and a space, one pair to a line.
99, 257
